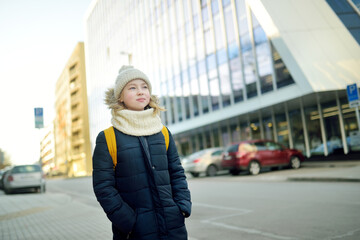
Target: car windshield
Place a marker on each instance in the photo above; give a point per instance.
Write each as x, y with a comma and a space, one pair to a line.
26, 169
232, 148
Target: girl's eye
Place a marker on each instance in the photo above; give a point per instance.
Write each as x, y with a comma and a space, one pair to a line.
131, 88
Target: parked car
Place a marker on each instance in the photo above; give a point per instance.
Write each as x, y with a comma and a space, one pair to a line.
24, 177
255, 154
206, 161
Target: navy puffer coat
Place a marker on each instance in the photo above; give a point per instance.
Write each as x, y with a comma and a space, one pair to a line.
147, 194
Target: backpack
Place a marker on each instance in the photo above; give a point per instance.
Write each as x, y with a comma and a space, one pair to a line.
111, 141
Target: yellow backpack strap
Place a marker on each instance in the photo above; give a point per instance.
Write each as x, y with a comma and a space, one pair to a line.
165, 132
111, 143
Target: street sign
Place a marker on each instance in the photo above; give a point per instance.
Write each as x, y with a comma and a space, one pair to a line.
39, 117
353, 95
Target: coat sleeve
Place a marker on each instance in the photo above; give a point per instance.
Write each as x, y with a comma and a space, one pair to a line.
118, 211
181, 192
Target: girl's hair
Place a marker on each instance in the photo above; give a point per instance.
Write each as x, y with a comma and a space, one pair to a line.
115, 104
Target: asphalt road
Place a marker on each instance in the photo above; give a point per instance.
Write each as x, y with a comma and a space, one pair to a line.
260, 207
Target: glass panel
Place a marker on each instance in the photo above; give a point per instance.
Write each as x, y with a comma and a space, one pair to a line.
201, 142
263, 57
179, 108
356, 3
233, 50
244, 131
204, 93
172, 109
282, 129
297, 130
209, 41
225, 84
216, 137
235, 133
186, 93
249, 66
237, 80
225, 2
268, 128
229, 25
214, 6
221, 56
214, 89
283, 76
255, 129
211, 61
332, 128
225, 136
219, 37
199, 44
207, 139
195, 93
314, 130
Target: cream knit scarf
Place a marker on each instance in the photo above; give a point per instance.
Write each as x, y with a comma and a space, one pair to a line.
136, 123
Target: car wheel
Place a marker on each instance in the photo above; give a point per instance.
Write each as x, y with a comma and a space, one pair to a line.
195, 174
211, 171
295, 162
254, 168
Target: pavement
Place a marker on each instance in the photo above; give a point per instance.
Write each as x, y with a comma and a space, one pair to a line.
58, 216
334, 171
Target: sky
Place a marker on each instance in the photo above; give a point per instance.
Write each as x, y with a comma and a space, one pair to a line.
37, 38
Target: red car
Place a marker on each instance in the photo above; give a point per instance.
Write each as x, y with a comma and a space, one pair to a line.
252, 155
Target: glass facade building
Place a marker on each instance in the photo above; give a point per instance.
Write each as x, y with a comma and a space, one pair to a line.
231, 70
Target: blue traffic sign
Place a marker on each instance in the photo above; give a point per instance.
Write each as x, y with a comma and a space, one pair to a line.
39, 118
352, 92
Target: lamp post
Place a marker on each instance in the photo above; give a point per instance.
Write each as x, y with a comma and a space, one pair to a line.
129, 55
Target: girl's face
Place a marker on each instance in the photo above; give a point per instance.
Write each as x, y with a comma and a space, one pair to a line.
135, 95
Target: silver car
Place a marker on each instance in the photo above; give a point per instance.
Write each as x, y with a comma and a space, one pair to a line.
24, 177
206, 161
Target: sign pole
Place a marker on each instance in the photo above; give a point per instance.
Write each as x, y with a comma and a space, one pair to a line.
358, 117
39, 124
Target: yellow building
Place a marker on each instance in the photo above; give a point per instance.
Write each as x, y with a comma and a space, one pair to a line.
72, 154
47, 151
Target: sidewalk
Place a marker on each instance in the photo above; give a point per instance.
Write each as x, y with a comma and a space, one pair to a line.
50, 216
339, 171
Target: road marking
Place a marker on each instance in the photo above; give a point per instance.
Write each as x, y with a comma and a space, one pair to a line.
251, 231
348, 234
240, 211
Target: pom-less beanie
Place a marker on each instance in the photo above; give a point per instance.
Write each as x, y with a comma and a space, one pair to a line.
127, 74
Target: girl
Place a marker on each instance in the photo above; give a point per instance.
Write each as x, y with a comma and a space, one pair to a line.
146, 195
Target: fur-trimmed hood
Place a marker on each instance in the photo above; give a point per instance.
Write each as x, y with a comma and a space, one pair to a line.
110, 99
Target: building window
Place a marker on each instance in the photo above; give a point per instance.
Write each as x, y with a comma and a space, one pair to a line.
237, 79
214, 89
225, 84
282, 129
314, 130
348, 15
263, 57
283, 76
204, 93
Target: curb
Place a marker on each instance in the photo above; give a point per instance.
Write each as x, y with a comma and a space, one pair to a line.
322, 179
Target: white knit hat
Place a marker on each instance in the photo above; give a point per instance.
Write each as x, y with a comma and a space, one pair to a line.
127, 74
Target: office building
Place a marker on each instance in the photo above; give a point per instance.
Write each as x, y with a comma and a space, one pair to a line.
71, 124
231, 70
